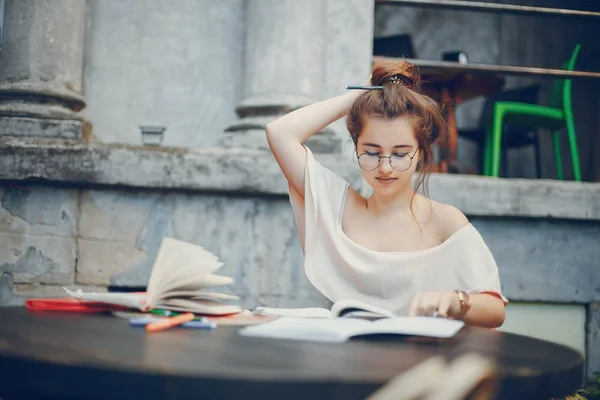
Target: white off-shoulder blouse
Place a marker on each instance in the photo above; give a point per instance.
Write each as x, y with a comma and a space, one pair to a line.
342, 269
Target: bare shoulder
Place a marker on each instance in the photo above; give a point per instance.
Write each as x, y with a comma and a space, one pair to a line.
449, 219
354, 201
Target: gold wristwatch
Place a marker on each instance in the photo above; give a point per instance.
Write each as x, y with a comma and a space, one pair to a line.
465, 303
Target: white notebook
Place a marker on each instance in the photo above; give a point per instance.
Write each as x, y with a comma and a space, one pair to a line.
338, 330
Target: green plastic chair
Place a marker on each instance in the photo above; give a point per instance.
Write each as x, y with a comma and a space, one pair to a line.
556, 117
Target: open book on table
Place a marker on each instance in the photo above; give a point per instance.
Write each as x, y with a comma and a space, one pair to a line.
340, 309
337, 330
181, 273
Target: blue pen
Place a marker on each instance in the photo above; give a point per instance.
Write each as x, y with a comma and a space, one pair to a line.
202, 323
143, 321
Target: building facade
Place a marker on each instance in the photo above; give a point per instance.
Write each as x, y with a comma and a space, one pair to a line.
85, 204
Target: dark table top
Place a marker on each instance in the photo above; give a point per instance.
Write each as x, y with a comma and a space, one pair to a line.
61, 355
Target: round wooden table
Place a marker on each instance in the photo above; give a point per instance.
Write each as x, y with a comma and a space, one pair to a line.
60, 355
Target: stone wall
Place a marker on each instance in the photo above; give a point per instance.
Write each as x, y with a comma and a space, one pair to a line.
103, 224
93, 239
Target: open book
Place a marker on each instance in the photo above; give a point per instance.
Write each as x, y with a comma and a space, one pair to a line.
179, 276
337, 330
342, 308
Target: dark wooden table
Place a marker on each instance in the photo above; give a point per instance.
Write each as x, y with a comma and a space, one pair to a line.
63, 356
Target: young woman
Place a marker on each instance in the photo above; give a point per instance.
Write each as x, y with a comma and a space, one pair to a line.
396, 249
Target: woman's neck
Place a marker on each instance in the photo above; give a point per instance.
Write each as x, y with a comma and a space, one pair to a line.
383, 205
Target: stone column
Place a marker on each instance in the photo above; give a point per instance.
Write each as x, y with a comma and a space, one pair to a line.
284, 63
41, 69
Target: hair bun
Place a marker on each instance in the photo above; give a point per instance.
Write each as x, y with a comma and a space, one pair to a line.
393, 72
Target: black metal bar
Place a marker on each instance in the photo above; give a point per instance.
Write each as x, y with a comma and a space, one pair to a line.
480, 6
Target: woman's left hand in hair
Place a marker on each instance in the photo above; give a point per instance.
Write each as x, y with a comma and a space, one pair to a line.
444, 304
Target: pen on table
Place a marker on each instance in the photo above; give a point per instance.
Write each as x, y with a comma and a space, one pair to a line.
169, 313
197, 323
203, 324
169, 322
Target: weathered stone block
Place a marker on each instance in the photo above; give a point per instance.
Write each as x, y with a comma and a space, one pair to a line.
518, 197
593, 340
110, 229
38, 210
226, 227
278, 264
51, 128
37, 234
117, 215
545, 260
38, 259
98, 261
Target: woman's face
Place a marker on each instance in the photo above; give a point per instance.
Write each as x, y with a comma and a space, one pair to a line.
384, 138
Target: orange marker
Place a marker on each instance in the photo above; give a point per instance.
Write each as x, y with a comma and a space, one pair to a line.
169, 322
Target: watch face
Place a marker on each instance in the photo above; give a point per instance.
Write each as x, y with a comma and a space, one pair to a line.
462, 58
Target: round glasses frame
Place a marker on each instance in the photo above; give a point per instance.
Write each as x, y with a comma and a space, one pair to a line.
389, 159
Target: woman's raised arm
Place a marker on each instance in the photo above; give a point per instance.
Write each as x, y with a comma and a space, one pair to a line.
287, 134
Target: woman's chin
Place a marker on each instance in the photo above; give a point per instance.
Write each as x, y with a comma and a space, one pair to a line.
388, 187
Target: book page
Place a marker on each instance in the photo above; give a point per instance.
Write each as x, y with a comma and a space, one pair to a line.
198, 294
333, 330
436, 327
342, 307
197, 282
294, 312
191, 283
207, 307
180, 265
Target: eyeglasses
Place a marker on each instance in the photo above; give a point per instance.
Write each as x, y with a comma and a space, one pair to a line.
398, 161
